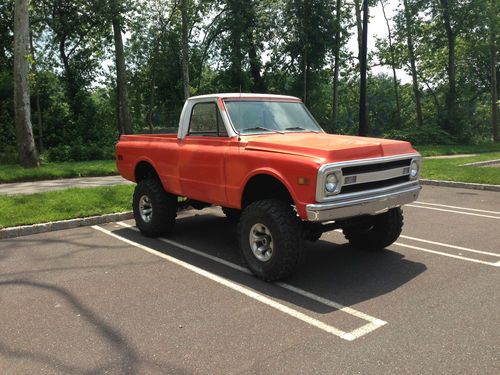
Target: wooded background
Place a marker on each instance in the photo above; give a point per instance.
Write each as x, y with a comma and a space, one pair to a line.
99, 68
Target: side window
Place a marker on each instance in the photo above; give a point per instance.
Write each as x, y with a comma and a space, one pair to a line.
206, 120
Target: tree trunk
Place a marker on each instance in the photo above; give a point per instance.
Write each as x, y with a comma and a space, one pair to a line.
37, 98
336, 53
124, 120
393, 65
363, 105
413, 65
28, 156
359, 26
185, 48
255, 65
493, 58
450, 123
152, 85
305, 76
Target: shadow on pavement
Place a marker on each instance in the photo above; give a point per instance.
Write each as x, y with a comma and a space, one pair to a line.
337, 272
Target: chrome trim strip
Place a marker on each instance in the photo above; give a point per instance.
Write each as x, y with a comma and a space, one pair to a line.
362, 178
369, 205
387, 189
382, 159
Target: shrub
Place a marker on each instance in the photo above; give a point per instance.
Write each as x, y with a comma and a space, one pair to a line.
425, 135
79, 152
9, 155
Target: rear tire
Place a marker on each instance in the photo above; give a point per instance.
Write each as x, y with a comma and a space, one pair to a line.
270, 237
380, 232
154, 209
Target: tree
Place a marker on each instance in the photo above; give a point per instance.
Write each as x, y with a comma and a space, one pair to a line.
336, 57
408, 30
78, 28
392, 63
124, 120
493, 63
363, 105
185, 47
26, 144
308, 31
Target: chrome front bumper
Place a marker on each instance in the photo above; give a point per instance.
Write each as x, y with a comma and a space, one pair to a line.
372, 203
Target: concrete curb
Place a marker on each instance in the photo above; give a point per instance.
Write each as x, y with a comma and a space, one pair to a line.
26, 230
462, 185
482, 163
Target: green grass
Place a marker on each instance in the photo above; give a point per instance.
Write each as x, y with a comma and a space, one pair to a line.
63, 204
53, 171
451, 170
458, 149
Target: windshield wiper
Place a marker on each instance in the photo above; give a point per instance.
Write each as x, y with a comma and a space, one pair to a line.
301, 128
261, 128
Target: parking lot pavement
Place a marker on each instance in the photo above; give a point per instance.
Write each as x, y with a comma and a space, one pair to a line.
105, 299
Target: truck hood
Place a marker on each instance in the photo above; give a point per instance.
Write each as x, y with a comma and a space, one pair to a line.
328, 147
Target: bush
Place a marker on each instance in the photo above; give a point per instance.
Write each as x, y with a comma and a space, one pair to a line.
9, 155
425, 135
79, 152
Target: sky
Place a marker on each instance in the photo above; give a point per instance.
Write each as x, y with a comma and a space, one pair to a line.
378, 28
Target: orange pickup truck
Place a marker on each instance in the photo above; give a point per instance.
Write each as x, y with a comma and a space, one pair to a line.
271, 167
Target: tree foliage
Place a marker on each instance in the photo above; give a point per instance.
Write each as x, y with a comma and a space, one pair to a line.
448, 48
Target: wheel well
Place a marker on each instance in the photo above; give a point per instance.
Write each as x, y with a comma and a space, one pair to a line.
264, 186
144, 170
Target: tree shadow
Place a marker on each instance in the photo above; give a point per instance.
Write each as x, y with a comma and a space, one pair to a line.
125, 360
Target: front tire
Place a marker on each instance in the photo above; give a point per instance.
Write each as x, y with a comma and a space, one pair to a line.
154, 209
270, 237
381, 231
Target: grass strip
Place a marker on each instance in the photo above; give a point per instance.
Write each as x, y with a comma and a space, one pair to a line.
458, 149
73, 203
452, 169
53, 171
64, 204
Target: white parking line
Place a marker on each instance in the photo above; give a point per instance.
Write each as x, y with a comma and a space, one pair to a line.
497, 264
453, 211
460, 208
373, 323
451, 246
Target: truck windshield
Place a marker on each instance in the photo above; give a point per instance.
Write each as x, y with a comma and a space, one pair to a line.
272, 116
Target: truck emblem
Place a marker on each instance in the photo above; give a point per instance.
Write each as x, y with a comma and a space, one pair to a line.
350, 180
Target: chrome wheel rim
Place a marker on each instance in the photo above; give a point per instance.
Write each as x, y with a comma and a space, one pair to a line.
261, 242
145, 209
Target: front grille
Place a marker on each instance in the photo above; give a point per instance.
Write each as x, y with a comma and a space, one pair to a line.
374, 185
363, 178
366, 177
348, 171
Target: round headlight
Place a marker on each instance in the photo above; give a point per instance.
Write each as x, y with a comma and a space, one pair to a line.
414, 167
331, 183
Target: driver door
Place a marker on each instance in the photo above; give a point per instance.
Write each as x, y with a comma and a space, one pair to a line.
202, 155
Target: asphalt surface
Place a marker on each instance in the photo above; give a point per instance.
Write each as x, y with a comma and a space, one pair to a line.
106, 300
49, 185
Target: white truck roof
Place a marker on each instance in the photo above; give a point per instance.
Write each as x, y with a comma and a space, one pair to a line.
236, 95
193, 100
